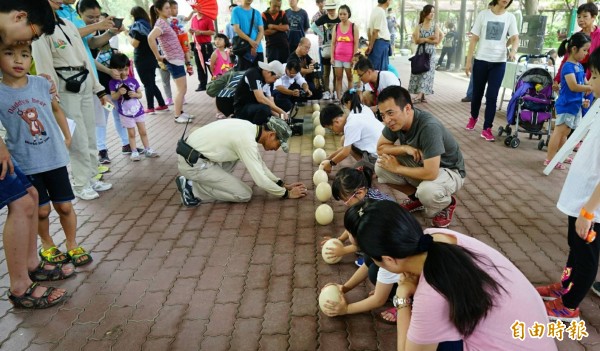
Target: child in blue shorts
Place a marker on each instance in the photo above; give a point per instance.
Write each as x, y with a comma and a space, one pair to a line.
19, 241
35, 140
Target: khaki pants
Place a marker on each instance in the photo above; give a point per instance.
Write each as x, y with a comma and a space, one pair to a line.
213, 181
80, 108
435, 195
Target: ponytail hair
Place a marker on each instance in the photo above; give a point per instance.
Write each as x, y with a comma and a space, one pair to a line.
348, 180
156, 5
577, 40
352, 96
384, 228
425, 12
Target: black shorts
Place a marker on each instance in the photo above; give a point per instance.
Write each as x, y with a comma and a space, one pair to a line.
53, 186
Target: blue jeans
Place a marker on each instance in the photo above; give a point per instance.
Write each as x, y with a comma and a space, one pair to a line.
490, 73
470, 88
380, 55
101, 130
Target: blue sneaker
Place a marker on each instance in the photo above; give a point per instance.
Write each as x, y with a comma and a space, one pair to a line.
359, 261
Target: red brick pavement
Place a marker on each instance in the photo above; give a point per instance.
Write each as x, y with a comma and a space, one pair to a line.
246, 276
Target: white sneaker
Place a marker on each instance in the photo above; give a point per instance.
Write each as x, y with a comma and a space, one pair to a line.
86, 194
187, 115
149, 153
100, 186
326, 95
135, 156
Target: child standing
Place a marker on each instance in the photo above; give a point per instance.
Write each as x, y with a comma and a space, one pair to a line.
35, 139
127, 93
580, 200
570, 97
172, 56
220, 62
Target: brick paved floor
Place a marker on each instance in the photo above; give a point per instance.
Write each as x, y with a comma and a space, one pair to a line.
246, 276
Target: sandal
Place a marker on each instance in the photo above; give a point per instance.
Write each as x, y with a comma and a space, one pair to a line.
40, 274
558, 166
568, 160
393, 311
423, 100
53, 255
27, 300
79, 257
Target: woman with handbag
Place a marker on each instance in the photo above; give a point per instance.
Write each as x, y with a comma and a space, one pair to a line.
427, 36
489, 33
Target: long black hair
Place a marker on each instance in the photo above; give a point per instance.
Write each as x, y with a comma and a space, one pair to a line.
348, 180
352, 96
425, 12
138, 13
577, 40
384, 228
156, 5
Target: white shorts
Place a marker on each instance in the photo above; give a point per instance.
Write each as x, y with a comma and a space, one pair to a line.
340, 64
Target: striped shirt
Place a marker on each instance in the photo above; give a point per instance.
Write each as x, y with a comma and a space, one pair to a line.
170, 43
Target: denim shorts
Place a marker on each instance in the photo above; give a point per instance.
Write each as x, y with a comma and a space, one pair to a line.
53, 185
175, 70
568, 119
13, 187
341, 64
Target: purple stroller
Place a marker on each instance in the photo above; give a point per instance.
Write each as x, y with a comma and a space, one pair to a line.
530, 107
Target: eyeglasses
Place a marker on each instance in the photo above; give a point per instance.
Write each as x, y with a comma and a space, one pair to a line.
34, 32
350, 198
361, 74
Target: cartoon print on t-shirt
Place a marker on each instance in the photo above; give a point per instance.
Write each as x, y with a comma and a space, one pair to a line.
36, 128
129, 106
494, 30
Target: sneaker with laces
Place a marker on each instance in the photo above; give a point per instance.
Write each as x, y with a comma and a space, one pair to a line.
86, 193
551, 292
187, 194
487, 134
596, 288
103, 157
412, 205
443, 218
181, 119
169, 102
187, 115
149, 111
326, 96
100, 186
471, 124
149, 153
135, 156
558, 312
162, 108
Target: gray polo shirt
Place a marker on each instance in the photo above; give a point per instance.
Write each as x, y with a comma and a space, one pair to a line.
432, 138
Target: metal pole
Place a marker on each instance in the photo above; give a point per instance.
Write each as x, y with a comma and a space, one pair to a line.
462, 19
402, 24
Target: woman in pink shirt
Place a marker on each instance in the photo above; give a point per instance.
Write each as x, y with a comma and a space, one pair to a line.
173, 56
453, 289
344, 43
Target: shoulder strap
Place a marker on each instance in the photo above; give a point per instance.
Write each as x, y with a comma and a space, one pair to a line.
251, 23
377, 83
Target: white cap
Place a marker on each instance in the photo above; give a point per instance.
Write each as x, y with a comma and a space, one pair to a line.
273, 66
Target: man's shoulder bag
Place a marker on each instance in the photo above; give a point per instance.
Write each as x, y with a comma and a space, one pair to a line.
239, 45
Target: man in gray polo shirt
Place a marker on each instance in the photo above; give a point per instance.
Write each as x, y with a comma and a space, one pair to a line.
426, 164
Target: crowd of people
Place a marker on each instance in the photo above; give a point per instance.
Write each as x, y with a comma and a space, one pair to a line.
464, 289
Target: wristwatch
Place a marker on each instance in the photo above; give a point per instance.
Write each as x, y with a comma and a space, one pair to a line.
401, 302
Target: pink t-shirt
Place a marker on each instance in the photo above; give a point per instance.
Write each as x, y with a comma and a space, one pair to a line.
430, 321
169, 43
222, 64
344, 43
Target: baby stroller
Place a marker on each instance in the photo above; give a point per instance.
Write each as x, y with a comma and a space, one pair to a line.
530, 106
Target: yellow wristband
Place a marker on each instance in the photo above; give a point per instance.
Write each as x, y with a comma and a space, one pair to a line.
585, 214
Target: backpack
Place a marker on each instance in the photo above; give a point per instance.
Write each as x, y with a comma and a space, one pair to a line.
449, 40
229, 90
214, 87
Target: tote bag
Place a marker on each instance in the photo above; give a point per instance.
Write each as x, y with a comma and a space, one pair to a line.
420, 63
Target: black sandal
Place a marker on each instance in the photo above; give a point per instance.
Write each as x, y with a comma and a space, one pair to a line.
28, 301
40, 274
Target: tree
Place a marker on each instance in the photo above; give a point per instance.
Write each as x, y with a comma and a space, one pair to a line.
531, 7
121, 8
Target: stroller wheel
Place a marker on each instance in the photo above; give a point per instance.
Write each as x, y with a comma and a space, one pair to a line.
515, 142
541, 145
500, 131
507, 140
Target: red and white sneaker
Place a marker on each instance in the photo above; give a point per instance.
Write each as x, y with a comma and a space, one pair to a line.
558, 312
443, 218
487, 134
471, 124
412, 205
551, 292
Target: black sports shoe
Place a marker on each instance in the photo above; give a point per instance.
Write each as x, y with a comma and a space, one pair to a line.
103, 157
187, 195
466, 99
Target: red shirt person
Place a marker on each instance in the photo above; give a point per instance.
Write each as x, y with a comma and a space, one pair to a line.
202, 28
